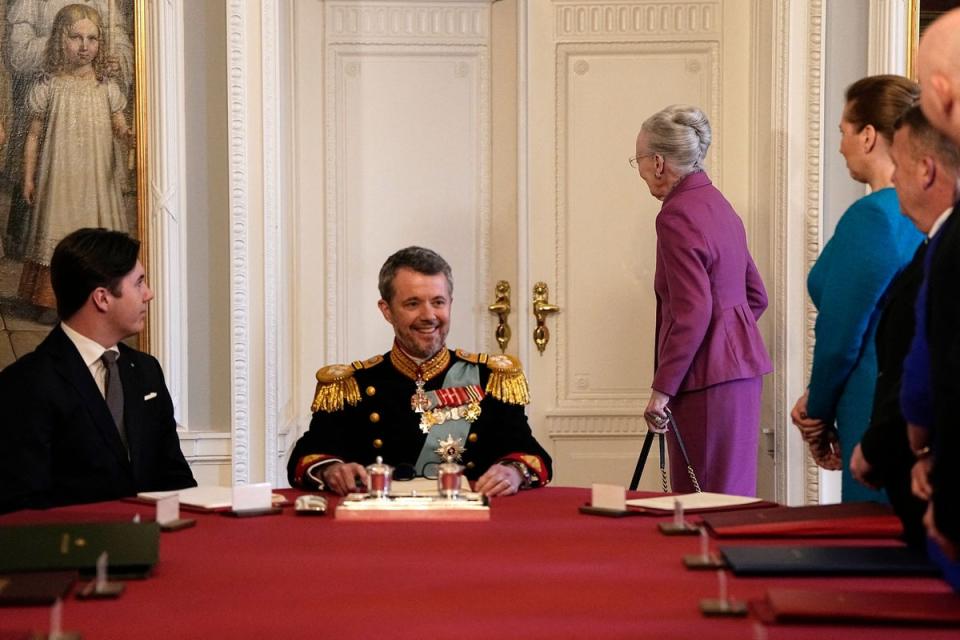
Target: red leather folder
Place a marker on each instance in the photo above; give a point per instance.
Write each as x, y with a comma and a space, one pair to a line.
805, 606
848, 520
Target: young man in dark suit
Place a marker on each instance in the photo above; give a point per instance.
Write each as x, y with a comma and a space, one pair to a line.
88, 418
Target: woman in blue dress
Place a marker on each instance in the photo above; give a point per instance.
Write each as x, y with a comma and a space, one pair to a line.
873, 241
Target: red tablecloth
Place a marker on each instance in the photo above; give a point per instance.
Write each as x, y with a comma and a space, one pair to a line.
536, 569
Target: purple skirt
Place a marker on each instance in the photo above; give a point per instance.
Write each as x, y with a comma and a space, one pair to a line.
720, 426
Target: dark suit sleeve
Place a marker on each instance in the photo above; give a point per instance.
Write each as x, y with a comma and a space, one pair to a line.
26, 443
943, 321
326, 439
507, 436
169, 468
946, 468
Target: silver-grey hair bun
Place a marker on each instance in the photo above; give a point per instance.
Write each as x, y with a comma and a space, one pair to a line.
682, 134
698, 122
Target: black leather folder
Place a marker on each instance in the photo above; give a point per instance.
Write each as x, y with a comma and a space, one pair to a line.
828, 561
41, 588
132, 547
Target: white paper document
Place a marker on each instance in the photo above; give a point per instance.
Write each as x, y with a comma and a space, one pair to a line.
198, 497
205, 497
705, 500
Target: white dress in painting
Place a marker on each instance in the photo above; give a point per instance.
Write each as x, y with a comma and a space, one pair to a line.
80, 172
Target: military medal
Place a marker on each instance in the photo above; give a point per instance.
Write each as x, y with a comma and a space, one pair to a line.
419, 401
450, 403
450, 450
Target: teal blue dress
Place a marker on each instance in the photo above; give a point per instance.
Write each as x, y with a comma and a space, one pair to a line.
872, 243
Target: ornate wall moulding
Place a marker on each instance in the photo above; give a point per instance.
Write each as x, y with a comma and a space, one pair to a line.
386, 22
580, 19
596, 426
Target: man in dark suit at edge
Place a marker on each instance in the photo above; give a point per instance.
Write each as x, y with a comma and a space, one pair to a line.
88, 418
938, 70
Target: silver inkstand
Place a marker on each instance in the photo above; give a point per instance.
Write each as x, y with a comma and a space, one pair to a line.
379, 479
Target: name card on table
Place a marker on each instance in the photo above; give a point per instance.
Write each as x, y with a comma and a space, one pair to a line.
609, 496
168, 509
251, 497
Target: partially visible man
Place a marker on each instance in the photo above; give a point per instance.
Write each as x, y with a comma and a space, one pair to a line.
420, 403
88, 418
938, 69
925, 176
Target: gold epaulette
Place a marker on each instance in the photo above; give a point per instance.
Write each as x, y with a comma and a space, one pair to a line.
507, 382
369, 363
473, 358
336, 385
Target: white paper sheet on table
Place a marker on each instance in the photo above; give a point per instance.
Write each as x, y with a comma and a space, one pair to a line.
208, 497
705, 500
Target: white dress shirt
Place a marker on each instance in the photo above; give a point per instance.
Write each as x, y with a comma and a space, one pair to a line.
90, 351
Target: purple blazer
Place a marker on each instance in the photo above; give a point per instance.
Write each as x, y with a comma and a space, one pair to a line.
709, 293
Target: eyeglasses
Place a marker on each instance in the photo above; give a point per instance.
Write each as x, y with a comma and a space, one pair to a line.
406, 471
635, 160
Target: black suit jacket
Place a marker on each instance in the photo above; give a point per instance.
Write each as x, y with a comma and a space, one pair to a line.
58, 441
885, 444
943, 335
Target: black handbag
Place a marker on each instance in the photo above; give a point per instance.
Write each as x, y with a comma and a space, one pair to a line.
645, 452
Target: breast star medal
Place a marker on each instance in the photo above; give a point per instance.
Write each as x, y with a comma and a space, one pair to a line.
450, 450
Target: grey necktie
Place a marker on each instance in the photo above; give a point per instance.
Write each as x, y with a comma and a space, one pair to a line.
114, 392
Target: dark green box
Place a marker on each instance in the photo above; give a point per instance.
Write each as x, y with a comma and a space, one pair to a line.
132, 547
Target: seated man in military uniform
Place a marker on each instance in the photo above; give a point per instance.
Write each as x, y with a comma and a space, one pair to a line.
421, 403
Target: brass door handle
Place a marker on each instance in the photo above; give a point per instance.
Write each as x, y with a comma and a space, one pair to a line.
501, 307
541, 309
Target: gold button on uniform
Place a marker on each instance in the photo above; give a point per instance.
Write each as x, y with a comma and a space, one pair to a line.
371, 390
377, 443
374, 417
472, 437
470, 465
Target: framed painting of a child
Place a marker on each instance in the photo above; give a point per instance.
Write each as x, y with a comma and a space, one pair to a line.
68, 95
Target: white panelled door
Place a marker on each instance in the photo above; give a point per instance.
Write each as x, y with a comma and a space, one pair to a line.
596, 70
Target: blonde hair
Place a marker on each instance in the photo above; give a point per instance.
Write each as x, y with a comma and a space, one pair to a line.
53, 59
681, 134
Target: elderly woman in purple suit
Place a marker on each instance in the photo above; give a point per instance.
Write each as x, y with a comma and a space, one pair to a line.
710, 357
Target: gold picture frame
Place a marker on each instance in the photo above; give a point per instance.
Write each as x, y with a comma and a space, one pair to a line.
920, 13
25, 303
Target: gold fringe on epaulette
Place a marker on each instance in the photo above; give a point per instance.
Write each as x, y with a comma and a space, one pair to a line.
507, 382
331, 396
335, 386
